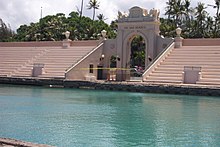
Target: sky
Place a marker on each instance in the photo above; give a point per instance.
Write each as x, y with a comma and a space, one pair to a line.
19, 12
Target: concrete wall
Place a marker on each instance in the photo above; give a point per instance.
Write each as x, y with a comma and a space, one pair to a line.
109, 50
202, 42
163, 43
31, 44
117, 86
85, 43
80, 71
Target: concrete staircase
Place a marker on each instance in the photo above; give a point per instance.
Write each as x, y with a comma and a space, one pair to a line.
19, 61
13, 58
58, 60
170, 69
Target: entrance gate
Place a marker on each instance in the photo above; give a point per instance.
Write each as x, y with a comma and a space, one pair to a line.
137, 22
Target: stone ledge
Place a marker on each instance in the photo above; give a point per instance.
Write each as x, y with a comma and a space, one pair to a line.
7, 142
142, 87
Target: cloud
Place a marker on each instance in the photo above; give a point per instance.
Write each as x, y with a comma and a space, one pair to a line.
18, 12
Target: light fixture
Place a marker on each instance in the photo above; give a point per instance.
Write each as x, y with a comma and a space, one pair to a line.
118, 58
67, 34
104, 32
178, 31
102, 57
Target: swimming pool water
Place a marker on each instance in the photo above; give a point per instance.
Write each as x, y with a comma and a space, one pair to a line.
73, 117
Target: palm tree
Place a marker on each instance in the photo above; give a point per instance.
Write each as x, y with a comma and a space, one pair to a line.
169, 8
101, 17
5, 31
175, 11
217, 19
81, 11
188, 12
93, 4
201, 15
188, 9
209, 26
217, 2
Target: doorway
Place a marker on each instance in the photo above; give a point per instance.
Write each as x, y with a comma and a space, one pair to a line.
100, 72
137, 57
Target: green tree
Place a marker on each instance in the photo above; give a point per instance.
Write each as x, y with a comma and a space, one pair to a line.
189, 12
101, 17
5, 32
93, 4
51, 27
201, 16
209, 27
137, 52
217, 19
195, 22
169, 8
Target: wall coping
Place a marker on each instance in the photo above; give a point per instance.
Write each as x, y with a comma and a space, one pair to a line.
49, 43
202, 42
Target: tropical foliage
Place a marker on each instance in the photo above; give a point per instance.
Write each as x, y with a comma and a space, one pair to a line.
93, 4
195, 22
51, 28
5, 32
138, 52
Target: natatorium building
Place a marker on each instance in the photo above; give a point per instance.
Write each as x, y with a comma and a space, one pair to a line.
167, 60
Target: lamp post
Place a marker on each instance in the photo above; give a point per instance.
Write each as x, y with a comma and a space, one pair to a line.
178, 39
104, 32
102, 57
178, 32
118, 58
67, 35
66, 42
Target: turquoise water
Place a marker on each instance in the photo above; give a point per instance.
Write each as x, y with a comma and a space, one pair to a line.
70, 117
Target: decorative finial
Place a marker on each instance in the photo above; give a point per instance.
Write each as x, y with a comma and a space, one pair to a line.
67, 34
178, 31
104, 32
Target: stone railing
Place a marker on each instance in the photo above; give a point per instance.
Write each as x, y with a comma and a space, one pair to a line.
157, 60
83, 58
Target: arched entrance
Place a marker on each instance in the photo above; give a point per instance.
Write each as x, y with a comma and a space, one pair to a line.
136, 56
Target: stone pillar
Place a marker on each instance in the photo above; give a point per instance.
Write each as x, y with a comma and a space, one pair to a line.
119, 52
178, 39
66, 43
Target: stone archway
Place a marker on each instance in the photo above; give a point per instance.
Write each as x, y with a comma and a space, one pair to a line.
137, 22
134, 69
128, 43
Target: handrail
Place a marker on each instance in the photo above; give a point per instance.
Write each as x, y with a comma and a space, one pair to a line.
157, 60
83, 58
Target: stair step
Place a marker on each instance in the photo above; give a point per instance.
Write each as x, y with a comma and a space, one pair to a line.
165, 74
163, 81
164, 78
